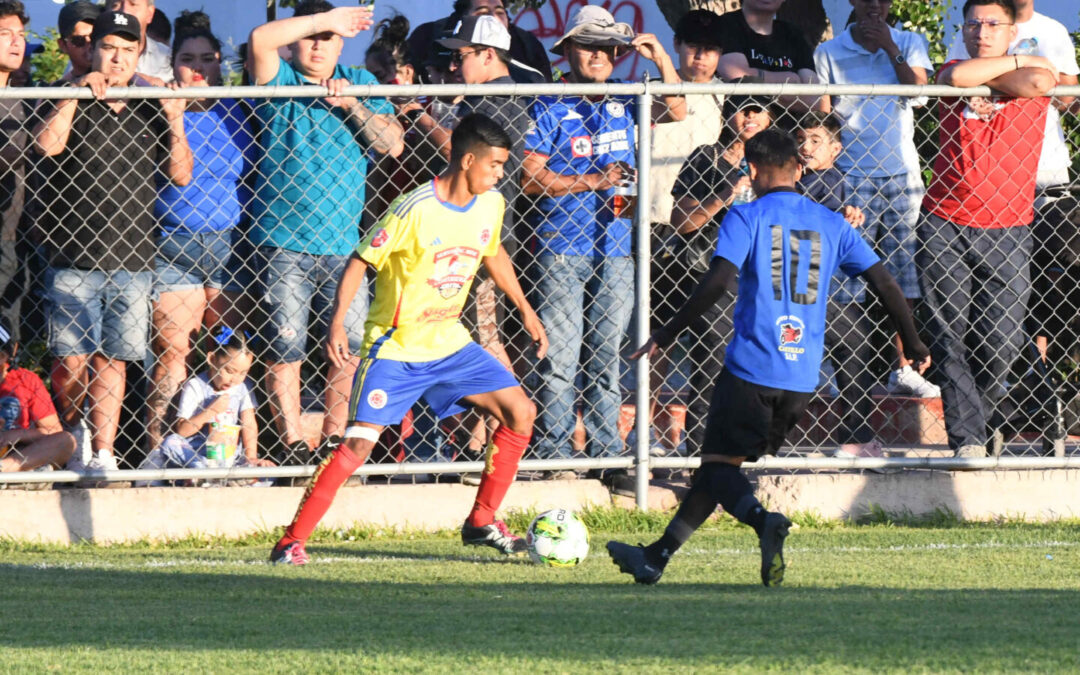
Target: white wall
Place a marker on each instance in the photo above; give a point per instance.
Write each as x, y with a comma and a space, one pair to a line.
233, 19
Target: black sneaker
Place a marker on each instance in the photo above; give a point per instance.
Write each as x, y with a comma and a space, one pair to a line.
618, 481
632, 560
292, 553
772, 538
496, 535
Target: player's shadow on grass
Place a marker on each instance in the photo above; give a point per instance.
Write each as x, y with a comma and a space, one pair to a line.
480, 555
148, 613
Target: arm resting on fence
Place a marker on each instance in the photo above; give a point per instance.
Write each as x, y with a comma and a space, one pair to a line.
537, 179
888, 291
382, 133
1023, 75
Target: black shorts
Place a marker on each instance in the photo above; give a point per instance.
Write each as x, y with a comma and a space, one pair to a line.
749, 420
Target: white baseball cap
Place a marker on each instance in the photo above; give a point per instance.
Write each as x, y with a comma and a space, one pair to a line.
484, 30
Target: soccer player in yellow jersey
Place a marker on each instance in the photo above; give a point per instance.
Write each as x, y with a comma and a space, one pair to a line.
426, 251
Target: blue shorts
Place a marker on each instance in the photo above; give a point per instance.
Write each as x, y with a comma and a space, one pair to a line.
384, 390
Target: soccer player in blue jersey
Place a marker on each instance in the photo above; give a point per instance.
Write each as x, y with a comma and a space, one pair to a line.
784, 248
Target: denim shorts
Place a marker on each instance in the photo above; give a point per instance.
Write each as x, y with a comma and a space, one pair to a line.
98, 311
185, 262
299, 291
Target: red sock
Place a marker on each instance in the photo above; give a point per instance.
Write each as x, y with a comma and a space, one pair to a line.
326, 480
503, 454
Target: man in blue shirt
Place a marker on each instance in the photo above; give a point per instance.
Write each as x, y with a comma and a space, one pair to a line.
310, 196
578, 151
784, 249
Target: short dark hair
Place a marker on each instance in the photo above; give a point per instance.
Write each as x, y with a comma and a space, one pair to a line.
1008, 5
14, 8
699, 27
772, 148
160, 26
309, 7
476, 130
828, 121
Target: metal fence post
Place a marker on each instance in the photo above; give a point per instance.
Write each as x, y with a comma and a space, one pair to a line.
642, 227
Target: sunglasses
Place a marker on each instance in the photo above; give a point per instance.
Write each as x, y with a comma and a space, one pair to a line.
78, 41
456, 58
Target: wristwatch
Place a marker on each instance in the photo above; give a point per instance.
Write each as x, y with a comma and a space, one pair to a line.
899, 58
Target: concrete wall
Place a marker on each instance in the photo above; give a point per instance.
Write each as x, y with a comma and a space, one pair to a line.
63, 516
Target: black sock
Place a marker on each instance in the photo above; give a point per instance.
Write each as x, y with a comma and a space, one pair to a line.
697, 505
732, 490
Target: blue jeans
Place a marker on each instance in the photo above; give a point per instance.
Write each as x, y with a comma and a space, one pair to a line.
585, 305
297, 286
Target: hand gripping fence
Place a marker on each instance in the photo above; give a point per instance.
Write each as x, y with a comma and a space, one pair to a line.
132, 284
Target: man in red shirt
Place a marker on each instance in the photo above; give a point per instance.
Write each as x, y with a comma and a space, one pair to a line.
974, 242
30, 431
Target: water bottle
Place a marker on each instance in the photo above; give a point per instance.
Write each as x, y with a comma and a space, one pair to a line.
746, 194
1027, 46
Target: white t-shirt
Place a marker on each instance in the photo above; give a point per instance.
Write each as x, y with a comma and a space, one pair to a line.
878, 131
1055, 44
197, 395
156, 61
672, 145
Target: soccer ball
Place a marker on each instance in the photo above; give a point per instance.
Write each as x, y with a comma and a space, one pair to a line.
557, 538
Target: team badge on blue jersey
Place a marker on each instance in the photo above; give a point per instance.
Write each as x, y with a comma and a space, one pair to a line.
791, 334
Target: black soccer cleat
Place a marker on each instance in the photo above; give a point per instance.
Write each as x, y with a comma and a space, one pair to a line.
772, 538
631, 560
495, 535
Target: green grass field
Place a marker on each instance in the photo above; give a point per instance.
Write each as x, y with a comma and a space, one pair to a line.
878, 597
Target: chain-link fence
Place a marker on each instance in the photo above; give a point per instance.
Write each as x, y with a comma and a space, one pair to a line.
136, 268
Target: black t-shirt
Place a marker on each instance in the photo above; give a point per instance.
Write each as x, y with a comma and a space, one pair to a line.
512, 114
104, 185
13, 139
705, 174
785, 49
827, 188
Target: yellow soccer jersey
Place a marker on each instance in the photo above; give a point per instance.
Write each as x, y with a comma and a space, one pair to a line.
426, 253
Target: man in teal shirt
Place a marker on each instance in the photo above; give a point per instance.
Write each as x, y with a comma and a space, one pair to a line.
309, 197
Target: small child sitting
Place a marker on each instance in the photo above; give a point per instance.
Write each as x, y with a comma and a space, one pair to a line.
216, 413
30, 433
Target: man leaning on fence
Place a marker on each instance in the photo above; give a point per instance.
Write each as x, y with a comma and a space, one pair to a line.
879, 157
310, 197
974, 241
99, 227
582, 274
155, 64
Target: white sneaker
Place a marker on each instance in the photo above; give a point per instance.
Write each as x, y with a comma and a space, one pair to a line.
104, 461
908, 381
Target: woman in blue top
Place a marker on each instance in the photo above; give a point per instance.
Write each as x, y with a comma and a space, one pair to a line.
195, 278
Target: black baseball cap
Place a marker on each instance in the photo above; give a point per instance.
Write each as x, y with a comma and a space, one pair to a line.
116, 23
73, 13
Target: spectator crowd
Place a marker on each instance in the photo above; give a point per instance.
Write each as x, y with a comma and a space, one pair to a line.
172, 263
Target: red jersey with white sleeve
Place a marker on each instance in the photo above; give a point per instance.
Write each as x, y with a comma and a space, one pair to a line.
984, 174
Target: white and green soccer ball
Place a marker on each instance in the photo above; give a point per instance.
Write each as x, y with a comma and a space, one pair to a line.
557, 538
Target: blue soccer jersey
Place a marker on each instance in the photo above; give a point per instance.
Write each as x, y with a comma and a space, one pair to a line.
786, 248
578, 135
